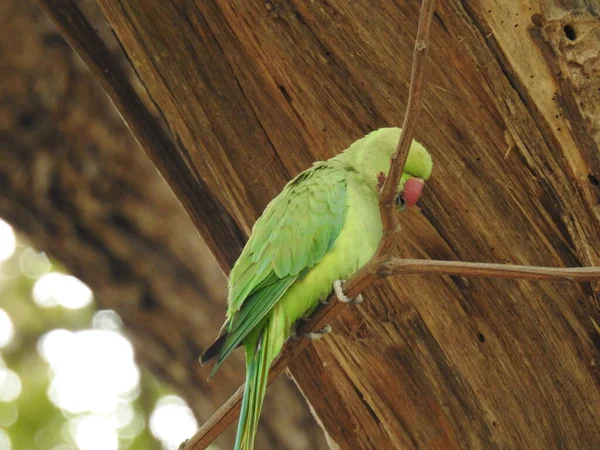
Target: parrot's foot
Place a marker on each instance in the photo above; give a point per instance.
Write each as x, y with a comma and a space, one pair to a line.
339, 293
318, 334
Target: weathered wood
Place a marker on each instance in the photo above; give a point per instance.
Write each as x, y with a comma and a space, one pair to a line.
75, 182
148, 130
256, 91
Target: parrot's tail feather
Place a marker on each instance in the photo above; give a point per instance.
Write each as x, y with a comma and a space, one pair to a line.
213, 351
258, 360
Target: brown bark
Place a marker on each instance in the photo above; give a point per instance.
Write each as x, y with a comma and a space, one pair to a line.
256, 91
74, 181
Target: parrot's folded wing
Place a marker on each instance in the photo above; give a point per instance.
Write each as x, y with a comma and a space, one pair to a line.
252, 312
294, 233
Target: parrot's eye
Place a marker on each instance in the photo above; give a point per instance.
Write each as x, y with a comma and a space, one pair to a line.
400, 203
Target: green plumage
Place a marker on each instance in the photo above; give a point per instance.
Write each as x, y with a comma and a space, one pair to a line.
322, 227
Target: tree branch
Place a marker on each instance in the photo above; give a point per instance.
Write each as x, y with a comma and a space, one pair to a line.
387, 194
149, 131
400, 266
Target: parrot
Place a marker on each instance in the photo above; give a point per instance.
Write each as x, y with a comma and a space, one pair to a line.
323, 226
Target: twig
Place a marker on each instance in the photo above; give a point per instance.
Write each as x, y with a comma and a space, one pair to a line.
400, 266
376, 269
387, 194
230, 411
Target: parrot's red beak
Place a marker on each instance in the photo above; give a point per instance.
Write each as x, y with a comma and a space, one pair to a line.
412, 190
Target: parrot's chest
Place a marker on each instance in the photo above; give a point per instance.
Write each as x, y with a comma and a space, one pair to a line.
362, 229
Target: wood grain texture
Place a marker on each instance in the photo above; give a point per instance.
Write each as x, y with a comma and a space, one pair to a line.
255, 91
148, 130
75, 182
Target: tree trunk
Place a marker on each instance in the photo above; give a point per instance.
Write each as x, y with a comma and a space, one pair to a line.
73, 180
256, 91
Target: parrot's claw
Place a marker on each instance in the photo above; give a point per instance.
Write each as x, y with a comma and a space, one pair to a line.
318, 334
339, 293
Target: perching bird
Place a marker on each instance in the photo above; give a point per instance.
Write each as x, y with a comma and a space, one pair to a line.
321, 228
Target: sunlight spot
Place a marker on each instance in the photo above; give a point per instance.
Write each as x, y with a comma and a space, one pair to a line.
172, 421
123, 415
134, 427
8, 414
93, 370
52, 345
107, 319
95, 433
48, 437
34, 264
57, 289
10, 385
4, 440
8, 243
7, 330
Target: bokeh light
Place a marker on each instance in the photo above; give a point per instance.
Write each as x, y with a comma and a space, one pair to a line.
4, 440
88, 398
107, 319
8, 414
10, 385
7, 330
172, 421
34, 264
92, 370
57, 289
135, 426
94, 432
8, 242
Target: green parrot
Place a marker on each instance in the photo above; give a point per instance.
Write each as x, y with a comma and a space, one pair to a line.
322, 227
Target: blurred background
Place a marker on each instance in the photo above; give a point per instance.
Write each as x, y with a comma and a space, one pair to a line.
107, 293
68, 377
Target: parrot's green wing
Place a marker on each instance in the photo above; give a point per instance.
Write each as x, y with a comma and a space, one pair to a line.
294, 233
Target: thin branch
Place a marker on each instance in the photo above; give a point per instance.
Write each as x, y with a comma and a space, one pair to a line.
387, 195
400, 266
367, 275
377, 269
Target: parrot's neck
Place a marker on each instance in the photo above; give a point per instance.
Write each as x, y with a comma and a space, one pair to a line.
366, 164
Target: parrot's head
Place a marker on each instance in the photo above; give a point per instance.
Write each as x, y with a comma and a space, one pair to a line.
371, 156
